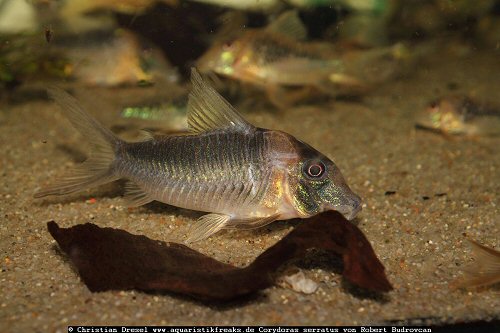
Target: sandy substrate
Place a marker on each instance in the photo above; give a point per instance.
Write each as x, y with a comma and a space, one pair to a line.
445, 188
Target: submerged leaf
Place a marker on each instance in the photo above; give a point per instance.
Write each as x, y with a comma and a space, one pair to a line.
112, 259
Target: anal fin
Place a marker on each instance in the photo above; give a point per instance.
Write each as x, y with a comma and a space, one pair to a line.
135, 196
206, 226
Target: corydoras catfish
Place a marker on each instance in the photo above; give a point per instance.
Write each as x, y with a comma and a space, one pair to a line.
276, 57
460, 115
243, 176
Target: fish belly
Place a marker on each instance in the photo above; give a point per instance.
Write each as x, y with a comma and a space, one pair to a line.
219, 172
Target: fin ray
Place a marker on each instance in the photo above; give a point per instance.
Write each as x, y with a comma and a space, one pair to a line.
249, 224
78, 179
206, 226
135, 196
484, 271
87, 125
289, 24
97, 169
209, 111
145, 135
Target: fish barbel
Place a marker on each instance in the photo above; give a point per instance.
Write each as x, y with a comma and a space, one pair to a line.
243, 176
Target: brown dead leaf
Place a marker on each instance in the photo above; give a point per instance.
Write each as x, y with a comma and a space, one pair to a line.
113, 259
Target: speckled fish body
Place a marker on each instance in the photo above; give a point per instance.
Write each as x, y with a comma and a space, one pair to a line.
228, 172
244, 176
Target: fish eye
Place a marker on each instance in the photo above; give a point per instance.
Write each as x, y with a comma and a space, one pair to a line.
314, 169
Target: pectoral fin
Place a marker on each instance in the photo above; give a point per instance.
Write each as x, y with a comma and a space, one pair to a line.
206, 226
248, 224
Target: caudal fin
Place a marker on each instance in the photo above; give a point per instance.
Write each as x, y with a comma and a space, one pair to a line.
97, 169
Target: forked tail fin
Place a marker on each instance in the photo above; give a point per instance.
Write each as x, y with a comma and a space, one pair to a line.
97, 169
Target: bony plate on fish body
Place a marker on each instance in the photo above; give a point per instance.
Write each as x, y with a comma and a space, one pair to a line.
243, 176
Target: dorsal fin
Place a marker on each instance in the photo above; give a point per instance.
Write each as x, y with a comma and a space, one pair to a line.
289, 24
209, 111
232, 25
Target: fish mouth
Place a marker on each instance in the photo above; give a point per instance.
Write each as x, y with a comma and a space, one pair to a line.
351, 213
350, 210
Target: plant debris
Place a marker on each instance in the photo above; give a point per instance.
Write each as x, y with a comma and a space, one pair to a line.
113, 259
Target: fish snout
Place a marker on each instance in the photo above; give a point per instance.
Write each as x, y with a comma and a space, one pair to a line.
351, 207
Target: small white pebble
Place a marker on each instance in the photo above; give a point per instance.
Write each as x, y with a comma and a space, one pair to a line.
300, 283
